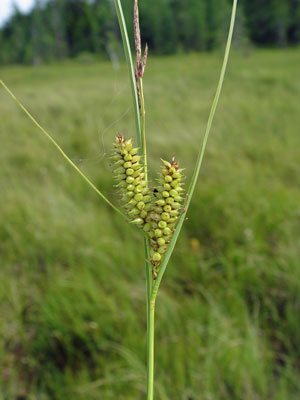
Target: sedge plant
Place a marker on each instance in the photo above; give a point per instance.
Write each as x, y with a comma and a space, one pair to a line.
158, 210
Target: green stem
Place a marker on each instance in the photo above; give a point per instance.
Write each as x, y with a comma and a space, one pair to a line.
146, 243
150, 375
60, 149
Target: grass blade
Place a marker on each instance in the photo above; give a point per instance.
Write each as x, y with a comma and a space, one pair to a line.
60, 150
200, 155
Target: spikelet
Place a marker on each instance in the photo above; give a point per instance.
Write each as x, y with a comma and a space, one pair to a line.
165, 212
128, 172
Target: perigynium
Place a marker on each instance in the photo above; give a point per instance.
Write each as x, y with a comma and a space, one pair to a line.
160, 211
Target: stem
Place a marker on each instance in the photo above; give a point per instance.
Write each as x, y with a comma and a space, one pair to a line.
150, 333
150, 375
61, 150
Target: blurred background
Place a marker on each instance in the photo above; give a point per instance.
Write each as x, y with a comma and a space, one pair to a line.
72, 286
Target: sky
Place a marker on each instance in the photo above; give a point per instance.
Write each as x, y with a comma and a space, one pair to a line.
6, 7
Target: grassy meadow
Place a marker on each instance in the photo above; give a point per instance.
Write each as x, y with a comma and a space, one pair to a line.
72, 286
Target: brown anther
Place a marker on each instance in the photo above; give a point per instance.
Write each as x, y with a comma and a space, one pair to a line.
120, 138
137, 33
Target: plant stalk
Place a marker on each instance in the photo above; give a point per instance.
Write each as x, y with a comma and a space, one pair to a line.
150, 324
150, 375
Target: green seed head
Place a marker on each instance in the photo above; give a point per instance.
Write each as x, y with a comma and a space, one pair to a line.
131, 182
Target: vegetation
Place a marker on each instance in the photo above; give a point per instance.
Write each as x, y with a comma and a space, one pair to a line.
56, 29
72, 303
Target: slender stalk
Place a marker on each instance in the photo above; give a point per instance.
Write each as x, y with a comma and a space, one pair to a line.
150, 375
141, 140
200, 156
61, 150
150, 329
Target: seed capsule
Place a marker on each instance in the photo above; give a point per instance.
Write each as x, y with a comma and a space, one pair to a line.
156, 257
131, 182
165, 212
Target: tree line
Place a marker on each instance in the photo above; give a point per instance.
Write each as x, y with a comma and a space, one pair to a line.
57, 29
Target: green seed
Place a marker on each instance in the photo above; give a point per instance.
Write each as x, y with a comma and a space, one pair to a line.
167, 186
168, 179
130, 179
165, 194
140, 205
165, 216
139, 189
174, 213
173, 192
121, 177
138, 197
170, 200
166, 164
158, 233
147, 227
137, 221
128, 157
130, 171
136, 173
128, 145
148, 206
133, 152
133, 212
146, 199
167, 231
162, 224
167, 208
132, 202
136, 159
121, 184
143, 214
160, 202
136, 166
161, 241
127, 164
162, 249
156, 257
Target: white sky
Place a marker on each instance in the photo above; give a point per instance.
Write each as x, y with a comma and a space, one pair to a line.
6, 7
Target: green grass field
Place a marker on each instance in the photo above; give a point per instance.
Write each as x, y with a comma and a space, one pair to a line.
72, 287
